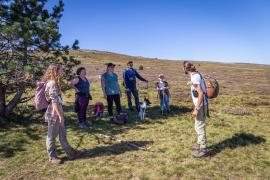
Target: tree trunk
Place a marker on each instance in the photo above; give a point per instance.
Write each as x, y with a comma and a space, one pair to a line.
16, 99
2, 101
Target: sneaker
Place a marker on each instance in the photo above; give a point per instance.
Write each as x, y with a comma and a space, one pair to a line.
74, 154
81, 125
56, 160
195, 148
201, 154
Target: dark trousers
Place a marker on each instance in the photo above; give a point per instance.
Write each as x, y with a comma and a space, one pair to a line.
116, 99
83, 102
135, 94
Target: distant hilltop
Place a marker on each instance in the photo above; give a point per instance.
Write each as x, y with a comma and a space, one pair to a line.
99, 54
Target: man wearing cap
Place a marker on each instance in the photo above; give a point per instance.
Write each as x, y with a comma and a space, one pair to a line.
129, 79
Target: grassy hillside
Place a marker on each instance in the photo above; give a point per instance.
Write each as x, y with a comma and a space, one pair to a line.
238, 130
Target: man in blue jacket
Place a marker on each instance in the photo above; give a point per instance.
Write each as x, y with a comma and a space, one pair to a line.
129, 79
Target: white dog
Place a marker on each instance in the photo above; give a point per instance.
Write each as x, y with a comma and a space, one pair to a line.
143, 107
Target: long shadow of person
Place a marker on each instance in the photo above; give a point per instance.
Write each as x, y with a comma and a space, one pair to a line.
237, 140
115, 149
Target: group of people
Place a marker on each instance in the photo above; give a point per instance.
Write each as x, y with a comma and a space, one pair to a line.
112, 93
54, 114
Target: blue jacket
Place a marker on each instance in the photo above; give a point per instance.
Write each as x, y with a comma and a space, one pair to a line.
129, 78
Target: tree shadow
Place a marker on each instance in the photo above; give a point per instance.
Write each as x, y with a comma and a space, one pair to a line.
237, 140
24, 120
8, 149
115, 149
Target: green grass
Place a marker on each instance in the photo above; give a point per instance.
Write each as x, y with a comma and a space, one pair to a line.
239, 144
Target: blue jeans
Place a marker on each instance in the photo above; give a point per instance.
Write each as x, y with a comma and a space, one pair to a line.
134, 92
164, 101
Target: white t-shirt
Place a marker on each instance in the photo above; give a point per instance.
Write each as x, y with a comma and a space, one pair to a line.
195, 80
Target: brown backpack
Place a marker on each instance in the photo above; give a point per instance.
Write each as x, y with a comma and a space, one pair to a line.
212, 87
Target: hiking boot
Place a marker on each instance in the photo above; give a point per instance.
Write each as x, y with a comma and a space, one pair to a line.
201, 154
56, 161
116, 121
74, 154
195, 148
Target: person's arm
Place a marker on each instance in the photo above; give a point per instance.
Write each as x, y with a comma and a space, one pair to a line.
157, 87
200, 99
139, 76
103, 86
166, 85
53, 96
58, 112
125, 80
73, 83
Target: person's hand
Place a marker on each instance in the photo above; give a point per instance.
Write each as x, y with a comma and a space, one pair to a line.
146, 81
105, 96
189, 83
61, 119
195, 113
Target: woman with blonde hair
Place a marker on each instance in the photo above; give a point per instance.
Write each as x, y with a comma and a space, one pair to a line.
54, 114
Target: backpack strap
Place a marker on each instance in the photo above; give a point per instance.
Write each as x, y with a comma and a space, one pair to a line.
204, 97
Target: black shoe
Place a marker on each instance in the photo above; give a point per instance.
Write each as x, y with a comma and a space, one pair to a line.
168, 111
201, 154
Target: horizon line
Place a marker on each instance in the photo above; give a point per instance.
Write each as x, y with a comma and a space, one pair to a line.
168, 59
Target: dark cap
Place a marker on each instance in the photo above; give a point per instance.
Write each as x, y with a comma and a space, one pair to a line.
110, 65
130, 62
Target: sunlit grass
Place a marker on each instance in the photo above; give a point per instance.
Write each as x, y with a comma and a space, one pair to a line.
240, 147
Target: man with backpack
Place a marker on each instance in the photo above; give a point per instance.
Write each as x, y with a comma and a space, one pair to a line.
199, 97
129, 80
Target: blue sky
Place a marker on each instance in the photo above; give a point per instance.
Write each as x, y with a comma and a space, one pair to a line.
213, 30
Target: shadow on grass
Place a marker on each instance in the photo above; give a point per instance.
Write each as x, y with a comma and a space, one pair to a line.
115, 149
28, 122
18, 130
105, 128
237, 140
154, 112
9, 149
